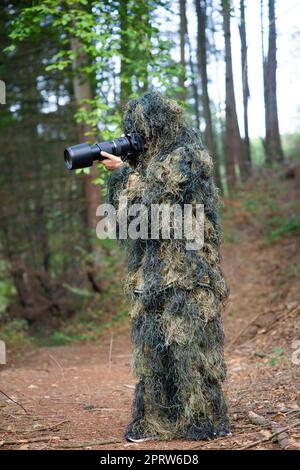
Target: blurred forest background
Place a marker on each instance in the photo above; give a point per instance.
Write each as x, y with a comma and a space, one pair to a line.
69, 68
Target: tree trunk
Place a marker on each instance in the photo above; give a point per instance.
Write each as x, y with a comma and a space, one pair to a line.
82, 91
233, 144
144, 16
125, 72
183, 32
245, 84
194, 83
273, 148
264, 70
202, 65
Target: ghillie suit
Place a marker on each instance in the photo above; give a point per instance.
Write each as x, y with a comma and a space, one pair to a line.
176, 293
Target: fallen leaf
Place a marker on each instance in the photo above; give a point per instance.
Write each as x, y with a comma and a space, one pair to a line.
265, 433
24, 447
257, 419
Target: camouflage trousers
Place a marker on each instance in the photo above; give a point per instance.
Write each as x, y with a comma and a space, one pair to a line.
178, 338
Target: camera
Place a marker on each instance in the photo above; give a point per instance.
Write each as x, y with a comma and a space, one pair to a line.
128, 147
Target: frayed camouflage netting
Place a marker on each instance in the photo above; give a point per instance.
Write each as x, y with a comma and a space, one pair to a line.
176, 293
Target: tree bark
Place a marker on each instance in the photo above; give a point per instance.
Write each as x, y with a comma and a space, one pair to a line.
183, 33
194, 83
273, 147
245, 84
82, 91
125, 72
202, 65
232, 143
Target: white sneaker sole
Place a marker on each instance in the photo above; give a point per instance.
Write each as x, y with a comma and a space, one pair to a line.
145, 439
228, 434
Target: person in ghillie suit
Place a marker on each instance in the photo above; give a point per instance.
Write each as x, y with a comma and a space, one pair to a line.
176, 294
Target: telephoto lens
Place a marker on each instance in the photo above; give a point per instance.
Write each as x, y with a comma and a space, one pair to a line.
128, 147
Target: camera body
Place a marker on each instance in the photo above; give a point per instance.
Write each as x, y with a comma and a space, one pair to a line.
128, 147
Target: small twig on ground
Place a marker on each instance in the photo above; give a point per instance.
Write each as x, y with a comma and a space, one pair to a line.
106, 409
49, 428
29, 431
292, 411
14, 401
266, 439
110, 353
284, 316
244, 329
283, 438
287, 313
28, 441
75, 445
58, 364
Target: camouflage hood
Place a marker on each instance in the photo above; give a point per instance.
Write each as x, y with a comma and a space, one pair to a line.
158, 119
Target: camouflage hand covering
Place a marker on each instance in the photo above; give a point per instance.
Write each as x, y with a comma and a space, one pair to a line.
176, 294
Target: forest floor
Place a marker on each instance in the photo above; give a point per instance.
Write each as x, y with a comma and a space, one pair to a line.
79, 397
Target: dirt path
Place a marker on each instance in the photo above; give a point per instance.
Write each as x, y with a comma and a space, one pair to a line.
78, 396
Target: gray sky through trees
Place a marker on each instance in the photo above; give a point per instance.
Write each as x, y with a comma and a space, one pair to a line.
288, 56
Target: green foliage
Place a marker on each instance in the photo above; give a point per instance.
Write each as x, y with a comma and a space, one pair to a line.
232, 314
272, 359
291, 146
257, 152
231, 235
62, 338
251, 206
290, 143
291, 272
79, 292
278, 227
98, 313
7, 289
276, 356
15, 334
265, 206
59, 338
99, 30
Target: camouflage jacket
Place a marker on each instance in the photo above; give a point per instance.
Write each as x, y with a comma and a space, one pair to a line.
182, 176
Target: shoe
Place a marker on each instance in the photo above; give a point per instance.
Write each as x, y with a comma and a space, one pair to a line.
138, 439
223, 431
135, 433
205, 431
202, 431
